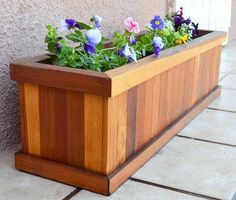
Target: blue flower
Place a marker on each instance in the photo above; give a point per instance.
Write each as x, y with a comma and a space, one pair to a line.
97, 20
126, 52
158, 45
132, 40
90, 48
68, 24
157, 23
94, 36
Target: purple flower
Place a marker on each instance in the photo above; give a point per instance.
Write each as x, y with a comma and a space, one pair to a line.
195, 31
132, 40
158, 45
178, 21
94, 36
187, 21
68, 24
58, 46
90, 48
126, 52
157, 23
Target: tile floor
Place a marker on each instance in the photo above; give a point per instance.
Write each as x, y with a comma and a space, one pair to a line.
199, 163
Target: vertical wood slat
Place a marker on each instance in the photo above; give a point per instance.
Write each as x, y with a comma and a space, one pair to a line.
140, 129
121, 128
155, 106
75, 128
93, 132
131, 121
148, 107
32, 118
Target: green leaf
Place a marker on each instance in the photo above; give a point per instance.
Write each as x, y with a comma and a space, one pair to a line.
74, 37
84, 26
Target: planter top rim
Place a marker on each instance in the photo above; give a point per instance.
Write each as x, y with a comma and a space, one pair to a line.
109, 81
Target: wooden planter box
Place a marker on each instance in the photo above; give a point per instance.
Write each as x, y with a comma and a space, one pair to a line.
93, 130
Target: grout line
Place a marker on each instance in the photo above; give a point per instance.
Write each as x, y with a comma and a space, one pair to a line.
73, 193
174, 189
202, 140
226, 87
223, 110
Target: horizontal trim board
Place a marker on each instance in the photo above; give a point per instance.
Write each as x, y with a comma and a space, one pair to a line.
62, 173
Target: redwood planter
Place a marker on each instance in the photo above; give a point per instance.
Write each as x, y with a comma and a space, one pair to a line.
93, 130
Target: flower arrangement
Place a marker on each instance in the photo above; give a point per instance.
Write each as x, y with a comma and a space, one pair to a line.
81, 45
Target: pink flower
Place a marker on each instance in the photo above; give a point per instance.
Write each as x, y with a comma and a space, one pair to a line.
132, 26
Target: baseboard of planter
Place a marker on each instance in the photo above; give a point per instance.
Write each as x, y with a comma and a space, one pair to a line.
108, 184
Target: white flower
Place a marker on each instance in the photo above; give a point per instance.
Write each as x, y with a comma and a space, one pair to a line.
97, 18
94, 36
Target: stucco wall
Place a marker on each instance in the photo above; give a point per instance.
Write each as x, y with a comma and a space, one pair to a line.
232, 30
22, 32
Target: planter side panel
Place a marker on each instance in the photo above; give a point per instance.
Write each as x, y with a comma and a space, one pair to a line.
138, 115
63, 126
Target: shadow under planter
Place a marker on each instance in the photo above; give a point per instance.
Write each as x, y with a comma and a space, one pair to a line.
93, 130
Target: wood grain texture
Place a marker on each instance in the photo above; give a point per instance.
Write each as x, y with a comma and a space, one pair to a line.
62, 173
32, 118
93, 132
130, 167
75, 129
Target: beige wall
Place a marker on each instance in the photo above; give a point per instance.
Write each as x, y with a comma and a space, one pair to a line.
22, 32
232, 30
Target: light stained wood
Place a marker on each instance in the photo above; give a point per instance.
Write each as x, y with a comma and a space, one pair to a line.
31, 92
196, 79
93, 132
121, 128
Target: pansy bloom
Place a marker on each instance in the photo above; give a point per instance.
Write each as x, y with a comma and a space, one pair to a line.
157, 23
132, 26
126, 52
94, 37
158, 45
68, 24
97, 20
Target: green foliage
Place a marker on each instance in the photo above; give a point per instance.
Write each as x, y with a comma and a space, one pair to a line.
106, 58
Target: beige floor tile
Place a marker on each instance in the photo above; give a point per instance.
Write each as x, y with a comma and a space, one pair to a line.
227, 67
136, 191
223, 75
229, 53
213, 125
229, 82
195, 166
16, 185
226, 101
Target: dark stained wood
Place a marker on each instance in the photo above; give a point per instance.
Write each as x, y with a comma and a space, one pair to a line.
62, 173
23, 123
140, 113
131, 122
62, 78
75, 129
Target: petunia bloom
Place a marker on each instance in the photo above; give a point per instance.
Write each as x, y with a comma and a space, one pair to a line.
68, 24
158, 45
157, 23
132, 26
94, 36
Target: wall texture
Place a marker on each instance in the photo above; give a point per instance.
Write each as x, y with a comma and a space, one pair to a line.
22, 33
232, 29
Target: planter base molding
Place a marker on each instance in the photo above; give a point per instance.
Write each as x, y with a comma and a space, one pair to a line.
108, 184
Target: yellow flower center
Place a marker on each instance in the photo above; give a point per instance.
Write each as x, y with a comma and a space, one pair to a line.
157, 22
